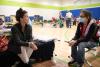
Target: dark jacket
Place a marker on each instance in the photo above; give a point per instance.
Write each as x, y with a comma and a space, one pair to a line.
19, 38
91, 35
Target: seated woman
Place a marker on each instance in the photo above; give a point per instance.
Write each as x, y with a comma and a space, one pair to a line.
21, 42
84, 38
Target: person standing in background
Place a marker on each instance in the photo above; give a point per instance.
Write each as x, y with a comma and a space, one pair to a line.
1, 23
68, 19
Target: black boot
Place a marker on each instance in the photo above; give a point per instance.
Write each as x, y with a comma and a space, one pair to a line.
23, 65
79, 64
71, 62
28, 65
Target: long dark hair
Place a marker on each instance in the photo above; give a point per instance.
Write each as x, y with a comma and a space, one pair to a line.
87, 14
20, 13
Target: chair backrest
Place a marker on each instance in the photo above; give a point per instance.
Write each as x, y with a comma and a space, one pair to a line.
95, 34
98, 34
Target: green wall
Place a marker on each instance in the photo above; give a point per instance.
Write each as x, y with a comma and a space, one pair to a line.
34, 5
81, 6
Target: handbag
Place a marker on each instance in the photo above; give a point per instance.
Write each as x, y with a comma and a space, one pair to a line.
3, 43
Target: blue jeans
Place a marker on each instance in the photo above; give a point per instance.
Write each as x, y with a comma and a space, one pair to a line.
78, 51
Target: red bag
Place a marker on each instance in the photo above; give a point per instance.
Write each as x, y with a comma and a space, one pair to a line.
3, 43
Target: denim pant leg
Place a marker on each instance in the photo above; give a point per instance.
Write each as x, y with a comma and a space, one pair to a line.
69, 23
74, 52
81, 50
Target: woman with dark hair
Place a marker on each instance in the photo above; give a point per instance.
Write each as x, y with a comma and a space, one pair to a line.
84, 38
21, 42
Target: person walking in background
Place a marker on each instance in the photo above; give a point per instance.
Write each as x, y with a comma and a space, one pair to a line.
68, 19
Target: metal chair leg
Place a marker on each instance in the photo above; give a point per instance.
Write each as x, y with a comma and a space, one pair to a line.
90, 65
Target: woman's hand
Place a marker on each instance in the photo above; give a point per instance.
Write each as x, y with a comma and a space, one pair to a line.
4, 49
32, 45
72, 42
